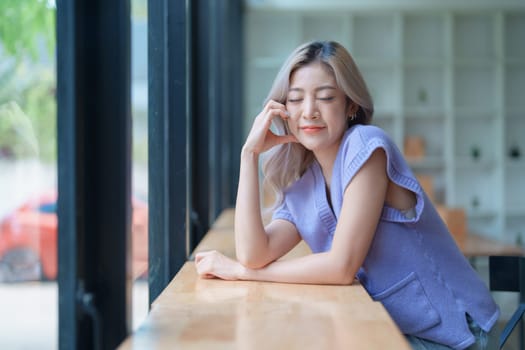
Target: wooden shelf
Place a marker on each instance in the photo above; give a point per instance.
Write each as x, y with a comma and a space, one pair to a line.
454, 77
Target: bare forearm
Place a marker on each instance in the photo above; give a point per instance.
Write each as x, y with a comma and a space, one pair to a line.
251, 241
321, 268
250, 238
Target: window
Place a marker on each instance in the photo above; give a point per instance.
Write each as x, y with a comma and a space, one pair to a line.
101, 86
28, 177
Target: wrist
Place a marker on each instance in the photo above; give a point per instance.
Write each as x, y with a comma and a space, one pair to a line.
248, 154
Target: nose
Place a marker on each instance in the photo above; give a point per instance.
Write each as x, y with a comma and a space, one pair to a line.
310, 110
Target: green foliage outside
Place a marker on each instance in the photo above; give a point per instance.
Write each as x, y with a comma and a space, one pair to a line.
24, 24
27, 80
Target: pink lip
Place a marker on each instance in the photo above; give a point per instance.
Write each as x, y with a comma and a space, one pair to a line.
311, 129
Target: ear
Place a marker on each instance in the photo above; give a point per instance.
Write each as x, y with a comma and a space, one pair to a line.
351, 108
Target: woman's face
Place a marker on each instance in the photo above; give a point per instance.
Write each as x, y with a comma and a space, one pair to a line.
318, 108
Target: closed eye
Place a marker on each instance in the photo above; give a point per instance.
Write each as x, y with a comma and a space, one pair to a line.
292, 100
326, 98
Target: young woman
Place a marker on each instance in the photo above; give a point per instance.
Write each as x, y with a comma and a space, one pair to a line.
344, 187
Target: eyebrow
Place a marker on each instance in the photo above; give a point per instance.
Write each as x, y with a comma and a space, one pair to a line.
322, 87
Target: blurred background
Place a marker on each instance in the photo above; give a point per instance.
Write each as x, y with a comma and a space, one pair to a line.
28, 172
447, 86
447, 79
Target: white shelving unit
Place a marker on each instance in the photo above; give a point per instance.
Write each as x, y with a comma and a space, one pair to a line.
456, 77
513, 144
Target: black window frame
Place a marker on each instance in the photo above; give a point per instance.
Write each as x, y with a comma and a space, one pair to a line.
195, 65
194, 137
94, 172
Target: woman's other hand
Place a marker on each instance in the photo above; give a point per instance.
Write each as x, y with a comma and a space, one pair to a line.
261, 138
213, 264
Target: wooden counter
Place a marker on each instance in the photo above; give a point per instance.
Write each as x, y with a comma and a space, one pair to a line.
195, 313
477, 246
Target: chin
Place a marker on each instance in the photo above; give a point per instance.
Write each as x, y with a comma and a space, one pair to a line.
311, 146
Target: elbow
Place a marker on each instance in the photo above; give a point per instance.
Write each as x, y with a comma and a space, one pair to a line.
346, 278
251, 262
343, 277
252, 257
343, 274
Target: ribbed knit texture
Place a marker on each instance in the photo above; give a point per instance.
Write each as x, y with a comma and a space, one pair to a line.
413, 266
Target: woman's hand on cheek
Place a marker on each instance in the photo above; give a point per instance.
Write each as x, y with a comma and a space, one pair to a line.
213, 264
261, 138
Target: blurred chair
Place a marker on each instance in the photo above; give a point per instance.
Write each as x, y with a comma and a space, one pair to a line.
507, 273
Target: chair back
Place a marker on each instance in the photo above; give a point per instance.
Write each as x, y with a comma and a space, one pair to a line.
506, 273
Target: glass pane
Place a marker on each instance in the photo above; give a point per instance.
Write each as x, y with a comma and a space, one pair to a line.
28, 177
139, 100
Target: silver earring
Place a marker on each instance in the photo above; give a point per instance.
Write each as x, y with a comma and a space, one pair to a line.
352, 117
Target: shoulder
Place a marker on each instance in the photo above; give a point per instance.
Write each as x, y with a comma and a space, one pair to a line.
360, 141
364, 135
358, 146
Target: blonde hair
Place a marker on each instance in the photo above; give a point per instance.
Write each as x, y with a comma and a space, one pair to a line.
286, 163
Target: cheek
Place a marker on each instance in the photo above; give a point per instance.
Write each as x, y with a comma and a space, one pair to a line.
293, 110
337, 114
292, 124
295, 115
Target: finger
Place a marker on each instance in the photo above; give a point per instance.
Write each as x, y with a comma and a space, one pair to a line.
282, 139
200, 260
202, 268
203, 254
200, 255
288, 138
204, 274
284, 114
204, 261
272, 104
